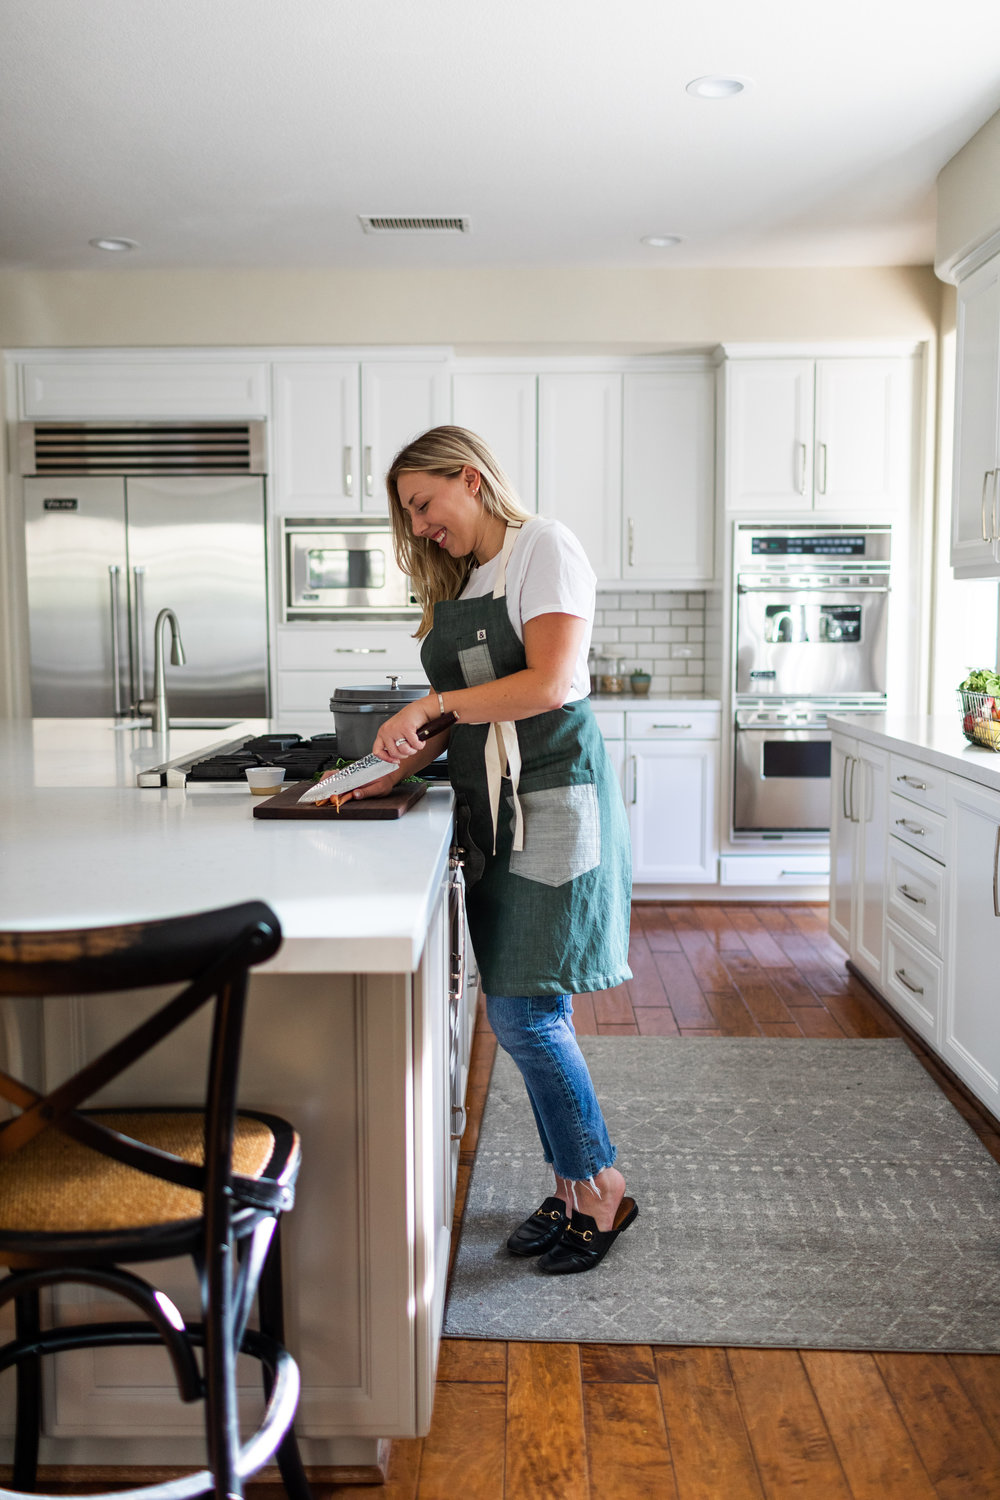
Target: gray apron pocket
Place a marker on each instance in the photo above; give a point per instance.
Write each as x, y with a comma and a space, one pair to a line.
562, 833
474, 659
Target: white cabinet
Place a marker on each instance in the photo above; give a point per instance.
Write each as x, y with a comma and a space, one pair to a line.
313, 660
823, 435
339, 424
501, 407
160, 389
971, 1032
671, 775
580, 461
975, 516
668, 476
858, 851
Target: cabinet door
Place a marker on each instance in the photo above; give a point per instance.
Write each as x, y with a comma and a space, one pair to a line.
862, 434
769, 430
869, 886
316, 439
580, 461
399, 400
843, 838
975, 497
501, 407
672, 810
668, 476
971, 1039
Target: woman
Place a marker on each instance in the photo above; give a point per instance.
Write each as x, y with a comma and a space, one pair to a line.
508, 605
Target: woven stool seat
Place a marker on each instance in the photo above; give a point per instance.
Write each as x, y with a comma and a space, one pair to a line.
54, 1185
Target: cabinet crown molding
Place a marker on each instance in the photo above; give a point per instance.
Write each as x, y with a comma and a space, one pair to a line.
849, 349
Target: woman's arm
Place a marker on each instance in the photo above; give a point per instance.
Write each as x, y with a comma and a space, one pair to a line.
551, 646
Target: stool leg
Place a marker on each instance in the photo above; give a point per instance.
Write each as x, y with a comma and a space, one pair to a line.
271, 1318
27, 1325
221, 1413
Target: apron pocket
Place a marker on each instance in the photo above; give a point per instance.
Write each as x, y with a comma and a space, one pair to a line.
476, 664
562, 833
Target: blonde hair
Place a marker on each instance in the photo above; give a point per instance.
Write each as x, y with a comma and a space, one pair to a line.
444, 450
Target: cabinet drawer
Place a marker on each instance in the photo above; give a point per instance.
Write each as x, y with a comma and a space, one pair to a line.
912, 981
310, 692
665, 724
917, 826
351, 649
917, 782
915, 890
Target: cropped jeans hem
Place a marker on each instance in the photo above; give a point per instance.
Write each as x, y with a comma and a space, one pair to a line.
537, 1031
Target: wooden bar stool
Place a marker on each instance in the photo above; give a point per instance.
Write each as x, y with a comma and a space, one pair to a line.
85, 1192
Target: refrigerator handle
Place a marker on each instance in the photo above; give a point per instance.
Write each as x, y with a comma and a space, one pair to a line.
138, 634
114, 573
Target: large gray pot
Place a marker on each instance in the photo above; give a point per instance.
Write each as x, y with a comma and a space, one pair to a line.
359, 713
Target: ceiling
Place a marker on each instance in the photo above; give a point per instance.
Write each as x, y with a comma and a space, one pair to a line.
253, 133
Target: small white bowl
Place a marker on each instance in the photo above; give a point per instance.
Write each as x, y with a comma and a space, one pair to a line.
265, 780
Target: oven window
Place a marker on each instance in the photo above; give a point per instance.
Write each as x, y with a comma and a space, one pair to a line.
788, 624
345, 568
797, 758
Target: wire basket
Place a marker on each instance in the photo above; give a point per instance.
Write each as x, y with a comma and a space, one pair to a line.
979, 722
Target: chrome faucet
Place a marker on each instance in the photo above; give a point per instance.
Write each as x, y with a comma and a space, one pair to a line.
157, 705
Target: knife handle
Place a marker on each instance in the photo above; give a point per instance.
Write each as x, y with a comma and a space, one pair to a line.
436, 726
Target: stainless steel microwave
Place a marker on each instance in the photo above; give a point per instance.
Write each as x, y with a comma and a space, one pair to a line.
336, 569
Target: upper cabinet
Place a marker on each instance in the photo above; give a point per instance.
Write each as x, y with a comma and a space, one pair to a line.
580, 461
975, 514
668, 476
339, 424
818, 435
162, 389
501, 406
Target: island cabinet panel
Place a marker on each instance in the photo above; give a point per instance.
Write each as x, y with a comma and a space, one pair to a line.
858, 851
361, 1064
971, 1031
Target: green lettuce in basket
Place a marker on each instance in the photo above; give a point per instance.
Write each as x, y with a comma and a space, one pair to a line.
982, 680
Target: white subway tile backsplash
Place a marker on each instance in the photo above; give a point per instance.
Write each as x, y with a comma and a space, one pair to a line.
646, 629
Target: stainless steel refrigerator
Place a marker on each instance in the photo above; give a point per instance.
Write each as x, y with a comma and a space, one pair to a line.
106, 552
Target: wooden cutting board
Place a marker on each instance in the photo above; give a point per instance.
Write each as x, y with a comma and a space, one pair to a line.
286, 804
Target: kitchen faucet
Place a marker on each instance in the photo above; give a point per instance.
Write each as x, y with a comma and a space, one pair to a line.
157, 705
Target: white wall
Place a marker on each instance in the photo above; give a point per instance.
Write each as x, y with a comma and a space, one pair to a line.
968, 187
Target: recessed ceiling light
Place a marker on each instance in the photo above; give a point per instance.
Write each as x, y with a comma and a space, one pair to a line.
714, 86
661, 241
113, 244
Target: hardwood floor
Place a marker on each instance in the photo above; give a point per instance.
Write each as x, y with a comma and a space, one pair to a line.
613, 1422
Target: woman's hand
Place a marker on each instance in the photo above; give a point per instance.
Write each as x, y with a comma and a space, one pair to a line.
382, 787
397, 737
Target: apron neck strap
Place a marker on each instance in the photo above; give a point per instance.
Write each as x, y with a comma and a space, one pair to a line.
510, 537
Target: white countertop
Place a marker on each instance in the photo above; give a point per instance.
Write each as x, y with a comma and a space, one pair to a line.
937, 740
82, 845
601, 702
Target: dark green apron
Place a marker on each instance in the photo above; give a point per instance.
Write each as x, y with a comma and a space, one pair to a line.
553, 917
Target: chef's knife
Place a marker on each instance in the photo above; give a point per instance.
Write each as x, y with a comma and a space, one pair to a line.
369, 768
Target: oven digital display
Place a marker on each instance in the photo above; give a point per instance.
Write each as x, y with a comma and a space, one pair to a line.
807, 546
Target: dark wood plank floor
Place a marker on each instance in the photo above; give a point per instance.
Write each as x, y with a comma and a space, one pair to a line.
610, 1422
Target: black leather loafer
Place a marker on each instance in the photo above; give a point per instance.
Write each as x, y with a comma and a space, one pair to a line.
541, 1231
583, 1246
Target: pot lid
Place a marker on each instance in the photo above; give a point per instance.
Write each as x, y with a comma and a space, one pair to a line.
380, 695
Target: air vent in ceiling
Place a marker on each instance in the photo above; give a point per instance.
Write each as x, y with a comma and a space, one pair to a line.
142, 448
401, 224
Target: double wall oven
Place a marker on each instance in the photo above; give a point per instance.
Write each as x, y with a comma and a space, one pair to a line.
811, 633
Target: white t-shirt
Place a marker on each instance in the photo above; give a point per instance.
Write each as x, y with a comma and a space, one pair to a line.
547, 573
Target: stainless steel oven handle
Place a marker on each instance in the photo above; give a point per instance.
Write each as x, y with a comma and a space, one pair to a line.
347, 469
915, 989
114, 577
917, 900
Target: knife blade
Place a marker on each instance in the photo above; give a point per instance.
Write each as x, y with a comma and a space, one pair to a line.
369, 768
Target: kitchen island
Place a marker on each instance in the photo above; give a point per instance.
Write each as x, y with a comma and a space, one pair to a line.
349, 1035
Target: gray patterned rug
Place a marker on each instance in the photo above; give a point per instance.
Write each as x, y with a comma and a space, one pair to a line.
812, 1194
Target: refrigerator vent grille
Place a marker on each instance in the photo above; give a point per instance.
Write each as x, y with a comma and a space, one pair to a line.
136, 448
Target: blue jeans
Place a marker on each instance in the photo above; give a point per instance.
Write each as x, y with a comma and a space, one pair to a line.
537, 1031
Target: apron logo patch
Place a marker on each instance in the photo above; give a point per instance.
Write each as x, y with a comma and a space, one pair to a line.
480, 635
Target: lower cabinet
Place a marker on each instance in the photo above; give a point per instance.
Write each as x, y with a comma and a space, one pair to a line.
915, 899
858, 851
970, 1036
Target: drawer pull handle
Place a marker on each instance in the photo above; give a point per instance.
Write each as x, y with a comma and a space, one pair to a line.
458, 1109
917, 900
911, 827
361, 650
672, 726
916, 989
921, 786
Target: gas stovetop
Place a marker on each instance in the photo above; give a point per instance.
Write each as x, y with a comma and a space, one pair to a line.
303, 759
